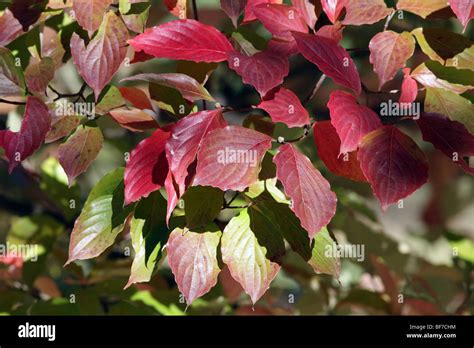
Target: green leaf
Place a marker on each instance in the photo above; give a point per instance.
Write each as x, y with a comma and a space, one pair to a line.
12, 81
198, 71
451, 105
463, 60
202, 204
453, 75
149, 235
101, 219
324, 258
109, 99
246, 258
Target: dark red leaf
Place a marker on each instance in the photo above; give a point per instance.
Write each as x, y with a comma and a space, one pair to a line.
393, 164
281, 20
147, 167
450, 137
328, 145
285, 107
351, 120
34, 128
331, 59
264, 70
229, 158
185, 39
313, 202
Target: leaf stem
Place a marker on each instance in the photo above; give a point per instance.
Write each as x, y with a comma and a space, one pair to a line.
389, 18
315, 89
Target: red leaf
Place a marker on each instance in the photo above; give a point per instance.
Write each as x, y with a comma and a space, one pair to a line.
282, 48
140, 56
34, 128
171, 191
233, 9
365, 12
450, 137
137, 97
99, 61
134, 120
389, 52
307, 10
285, 107
333, 8
331, 59
351, 120
393, 164
313, 202
249, 14
463, 9
178, 8
264, 70
333, 32
185, 140
281, 20
328, 145
229, 158
192, 257
27, 11
89, 13
409, 89
147, 167
185, 39
10, 28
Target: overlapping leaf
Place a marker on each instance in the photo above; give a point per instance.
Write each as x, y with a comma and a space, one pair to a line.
281, 20
365, 12
307, 10
264, 70
428, 79
450, 137
38, 74
285, 107
351, 120
185, 39
192, 257
79, 151
34, 128
99, 61
89, 13
10, 28
12, 81
464, 10
251, 5
233, 9
409, 89
313, 202
333, 8
393, 164
230, 158
422, 8
389, 52
147, 167
330, 58
328, 146
186, 138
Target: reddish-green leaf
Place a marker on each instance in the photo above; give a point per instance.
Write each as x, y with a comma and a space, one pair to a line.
233, 9
186, 138
450, 137
34, 127
330, 58
192, 257
229, 158
328, 145
10, 28
365, 12
422, 8
281, 20
62, 126
463, 9
89, 13
189, 88
333, 32
389, 52
79, 151
185, 39
101, 220
246, 257
133, 119
285, 107
313, 202
12, 82
321, 260
99, 61
351, 120
147, 167
263, 70
38, 74
136, 97
393, 164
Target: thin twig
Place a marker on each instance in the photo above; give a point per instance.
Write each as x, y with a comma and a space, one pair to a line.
317, 86
11, 102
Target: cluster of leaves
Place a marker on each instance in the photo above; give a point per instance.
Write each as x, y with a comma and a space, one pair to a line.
200, 158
